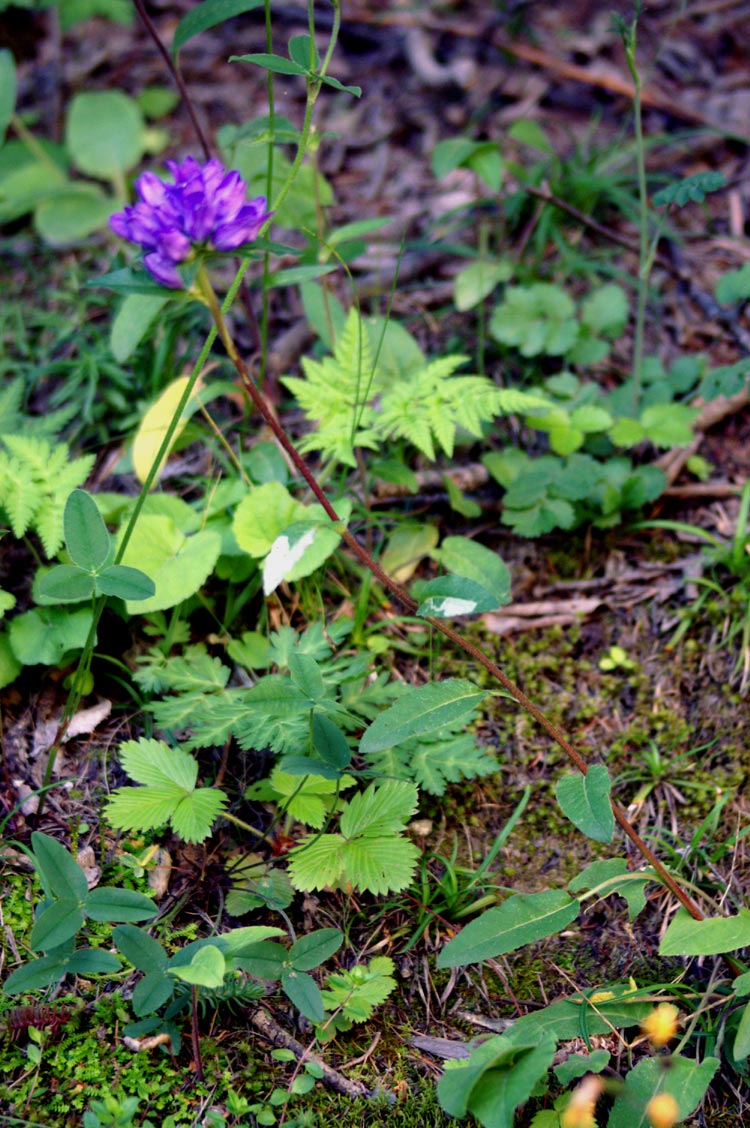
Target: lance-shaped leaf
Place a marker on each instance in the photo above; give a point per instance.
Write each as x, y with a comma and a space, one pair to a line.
710, 937
520, 920
420, 711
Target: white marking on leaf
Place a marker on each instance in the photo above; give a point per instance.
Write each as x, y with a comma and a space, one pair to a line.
450, 606
282, 557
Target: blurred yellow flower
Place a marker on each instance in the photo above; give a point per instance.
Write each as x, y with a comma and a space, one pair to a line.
579, 1112
660, 1026
662, 1111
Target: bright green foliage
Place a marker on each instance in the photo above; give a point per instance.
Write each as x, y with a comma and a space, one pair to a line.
520, 920
499, 1076
435, 761
351, 996
36, 477
682, 1078
179, 565
613, 875
709, 937
169, 792
306, 799
370, 852
353, 404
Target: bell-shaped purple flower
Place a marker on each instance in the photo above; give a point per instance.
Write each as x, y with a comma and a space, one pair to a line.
205, 207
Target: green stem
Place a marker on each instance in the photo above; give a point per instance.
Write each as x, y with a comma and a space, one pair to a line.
645, 260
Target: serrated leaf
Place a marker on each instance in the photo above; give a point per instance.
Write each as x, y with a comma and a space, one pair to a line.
585, 801
690, 189
520, 920
421, 711
669, 424
381, 809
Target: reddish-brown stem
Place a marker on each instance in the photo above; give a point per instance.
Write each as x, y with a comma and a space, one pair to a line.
411, 605
150, 27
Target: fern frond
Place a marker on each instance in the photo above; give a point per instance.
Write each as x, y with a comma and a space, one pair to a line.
19, 496
34, 485
430, 406
336, 394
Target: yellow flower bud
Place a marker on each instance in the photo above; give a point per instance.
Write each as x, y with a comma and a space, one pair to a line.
660, 1026
579, 1112
662, 1111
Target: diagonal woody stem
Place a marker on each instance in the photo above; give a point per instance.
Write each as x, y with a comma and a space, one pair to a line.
410, 605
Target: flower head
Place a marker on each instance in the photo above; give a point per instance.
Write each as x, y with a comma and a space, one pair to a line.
660, 1026
662, 1111
206, 206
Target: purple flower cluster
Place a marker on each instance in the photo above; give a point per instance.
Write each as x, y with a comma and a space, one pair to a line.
205, 207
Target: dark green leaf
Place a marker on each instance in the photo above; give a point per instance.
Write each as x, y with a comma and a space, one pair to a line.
585, 801
86, 536
692, 188
140, 949
314, 949
304, 993
124, 582
151, 992
93, 961
56, 924
330, 743
302, 50
111, 903
450, 596
520, 920
36, 974
65, 583
58, 869
208, 14
276, 63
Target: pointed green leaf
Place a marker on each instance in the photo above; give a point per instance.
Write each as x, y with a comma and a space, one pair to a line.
152, 992
208, 14
314, 949
520, 920
420, 711
302, 990
58, 869
710, 937
330, 743
36, 974
56, 924
585, 801
114, 904
466, 558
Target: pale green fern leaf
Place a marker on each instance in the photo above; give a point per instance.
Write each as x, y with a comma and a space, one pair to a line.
35, 483
336, 393
19, 496
432, 404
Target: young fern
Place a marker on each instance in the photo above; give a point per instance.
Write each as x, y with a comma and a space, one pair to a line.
35, 479
356, 404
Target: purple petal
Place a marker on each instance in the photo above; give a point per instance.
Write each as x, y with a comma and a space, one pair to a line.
163, 270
